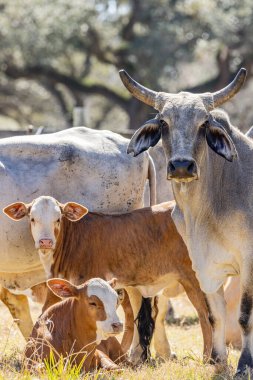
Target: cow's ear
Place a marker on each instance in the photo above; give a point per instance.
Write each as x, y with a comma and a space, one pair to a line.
74, 211
113, 282
146, 136
17, 211
219, 141
62, 288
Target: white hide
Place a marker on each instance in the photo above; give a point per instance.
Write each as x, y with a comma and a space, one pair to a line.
77, 164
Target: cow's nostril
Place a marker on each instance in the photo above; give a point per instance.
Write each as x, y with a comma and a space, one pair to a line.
171, 167
182, 169
117, 327
46, 243
191, 168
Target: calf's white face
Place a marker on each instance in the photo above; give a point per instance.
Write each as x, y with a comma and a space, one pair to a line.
108, 296
97, 302
45, 214
45, 218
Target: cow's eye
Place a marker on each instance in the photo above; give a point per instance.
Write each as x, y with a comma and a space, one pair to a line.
58, 220
204, 125
32, 220
92, 304
163, 123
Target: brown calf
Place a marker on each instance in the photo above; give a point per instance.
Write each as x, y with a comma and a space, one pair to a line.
141, 248
75, 326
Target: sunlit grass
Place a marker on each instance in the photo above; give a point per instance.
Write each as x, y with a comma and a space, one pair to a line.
185, 339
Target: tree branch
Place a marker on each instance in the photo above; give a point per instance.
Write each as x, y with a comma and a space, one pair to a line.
51, 87
127, 31
41, 72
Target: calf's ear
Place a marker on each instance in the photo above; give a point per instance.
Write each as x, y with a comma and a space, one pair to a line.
62, 288
146, 136
16, 211
219, 140
74, 211
113, 282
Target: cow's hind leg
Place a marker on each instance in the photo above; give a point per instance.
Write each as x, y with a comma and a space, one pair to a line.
135, 300
143, 327
246, 323
19, 309
161, 343
198, 299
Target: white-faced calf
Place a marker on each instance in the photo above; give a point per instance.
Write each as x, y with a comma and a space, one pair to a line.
45, 214
77, 324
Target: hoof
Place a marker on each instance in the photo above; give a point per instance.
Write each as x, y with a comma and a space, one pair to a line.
221, 367
247, 374
164, 358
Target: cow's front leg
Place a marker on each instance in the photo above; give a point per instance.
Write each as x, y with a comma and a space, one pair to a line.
217, 317
246, 322
135, 300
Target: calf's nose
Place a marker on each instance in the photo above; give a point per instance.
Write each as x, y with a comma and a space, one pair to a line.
46, 243
117, 327
182, 169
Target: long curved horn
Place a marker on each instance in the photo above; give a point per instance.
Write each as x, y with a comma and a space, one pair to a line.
222, 96
137, 90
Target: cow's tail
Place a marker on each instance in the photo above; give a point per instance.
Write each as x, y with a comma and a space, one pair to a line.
152, 181
145, 326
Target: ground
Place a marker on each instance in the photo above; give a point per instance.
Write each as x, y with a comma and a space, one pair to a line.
185, 339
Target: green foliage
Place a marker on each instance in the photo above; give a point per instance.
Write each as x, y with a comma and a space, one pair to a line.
62, 369
74, 49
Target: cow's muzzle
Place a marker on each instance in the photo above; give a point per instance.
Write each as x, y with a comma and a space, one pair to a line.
46, 243
182, 170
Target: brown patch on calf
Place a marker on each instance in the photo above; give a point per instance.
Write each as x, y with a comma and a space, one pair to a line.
56, 232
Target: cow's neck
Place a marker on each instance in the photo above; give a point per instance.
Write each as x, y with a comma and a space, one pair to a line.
47, 261
223, 186
214, 211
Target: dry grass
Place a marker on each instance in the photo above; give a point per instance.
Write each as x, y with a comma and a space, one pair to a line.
186, 342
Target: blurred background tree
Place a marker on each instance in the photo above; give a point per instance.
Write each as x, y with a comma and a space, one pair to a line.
61, 54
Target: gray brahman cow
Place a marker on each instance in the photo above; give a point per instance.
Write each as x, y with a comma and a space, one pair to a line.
76, 164
210, 163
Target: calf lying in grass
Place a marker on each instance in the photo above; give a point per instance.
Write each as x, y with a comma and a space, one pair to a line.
74, 327
141, 248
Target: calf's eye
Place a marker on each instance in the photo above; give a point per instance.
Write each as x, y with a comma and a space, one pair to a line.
32, 220
92, 304
58, 221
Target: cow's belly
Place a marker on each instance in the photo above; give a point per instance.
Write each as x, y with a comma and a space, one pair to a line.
169, 281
